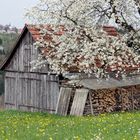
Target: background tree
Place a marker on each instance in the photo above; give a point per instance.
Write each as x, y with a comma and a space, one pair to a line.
82, 43
0, 41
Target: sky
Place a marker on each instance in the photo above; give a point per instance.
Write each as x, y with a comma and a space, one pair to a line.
12, 11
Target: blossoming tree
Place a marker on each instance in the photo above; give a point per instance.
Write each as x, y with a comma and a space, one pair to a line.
76, 40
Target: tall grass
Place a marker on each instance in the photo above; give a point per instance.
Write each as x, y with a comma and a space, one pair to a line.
16, 125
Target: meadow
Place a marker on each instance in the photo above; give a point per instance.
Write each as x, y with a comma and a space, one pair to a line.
16, 125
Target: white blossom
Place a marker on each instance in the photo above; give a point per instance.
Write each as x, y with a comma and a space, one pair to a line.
83, 46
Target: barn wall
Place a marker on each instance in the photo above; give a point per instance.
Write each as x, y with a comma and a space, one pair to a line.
24, 55
31, 92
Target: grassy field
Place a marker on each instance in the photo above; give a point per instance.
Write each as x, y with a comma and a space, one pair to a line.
41, 126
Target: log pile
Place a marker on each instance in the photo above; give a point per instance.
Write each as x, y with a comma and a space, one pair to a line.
102, 101
110, 100
123, 100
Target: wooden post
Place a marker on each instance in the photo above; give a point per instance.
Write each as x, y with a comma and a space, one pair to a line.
132, 97
121, 99
91, 103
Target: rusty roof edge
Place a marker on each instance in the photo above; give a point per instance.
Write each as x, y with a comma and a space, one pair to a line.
11, 54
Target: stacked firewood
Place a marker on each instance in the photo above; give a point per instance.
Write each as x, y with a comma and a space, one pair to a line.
105, 100
136, 97
123, 101
101, 101
87, 109
109, 100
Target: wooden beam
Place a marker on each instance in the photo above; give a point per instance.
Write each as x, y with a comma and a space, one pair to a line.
35, 107
91, 103
42, 73
132, 97
8, 103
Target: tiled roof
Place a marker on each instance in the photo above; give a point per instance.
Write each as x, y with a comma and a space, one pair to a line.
35, 31
111, 31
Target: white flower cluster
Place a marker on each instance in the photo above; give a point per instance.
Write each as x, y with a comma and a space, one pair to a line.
72, 50
78, 45
84, 12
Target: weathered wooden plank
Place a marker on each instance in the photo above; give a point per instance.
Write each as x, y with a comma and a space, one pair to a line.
48, 91
21, 57
23, 90
12, 89
34, 93
38, 85
51, 93
55, 91
6, 91
44, 88
26, 92
29, 92
16, 90
41, 92
63, 101
29, 106
20, 92
79, 102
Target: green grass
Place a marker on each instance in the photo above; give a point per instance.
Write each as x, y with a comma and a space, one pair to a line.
16, 125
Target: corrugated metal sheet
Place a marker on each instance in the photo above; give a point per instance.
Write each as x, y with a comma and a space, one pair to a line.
109, 83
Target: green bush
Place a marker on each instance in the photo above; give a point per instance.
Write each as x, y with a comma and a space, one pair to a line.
1, 82
8, 40
0, 41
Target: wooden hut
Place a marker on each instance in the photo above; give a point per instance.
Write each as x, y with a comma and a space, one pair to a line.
27, 89
35, 90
